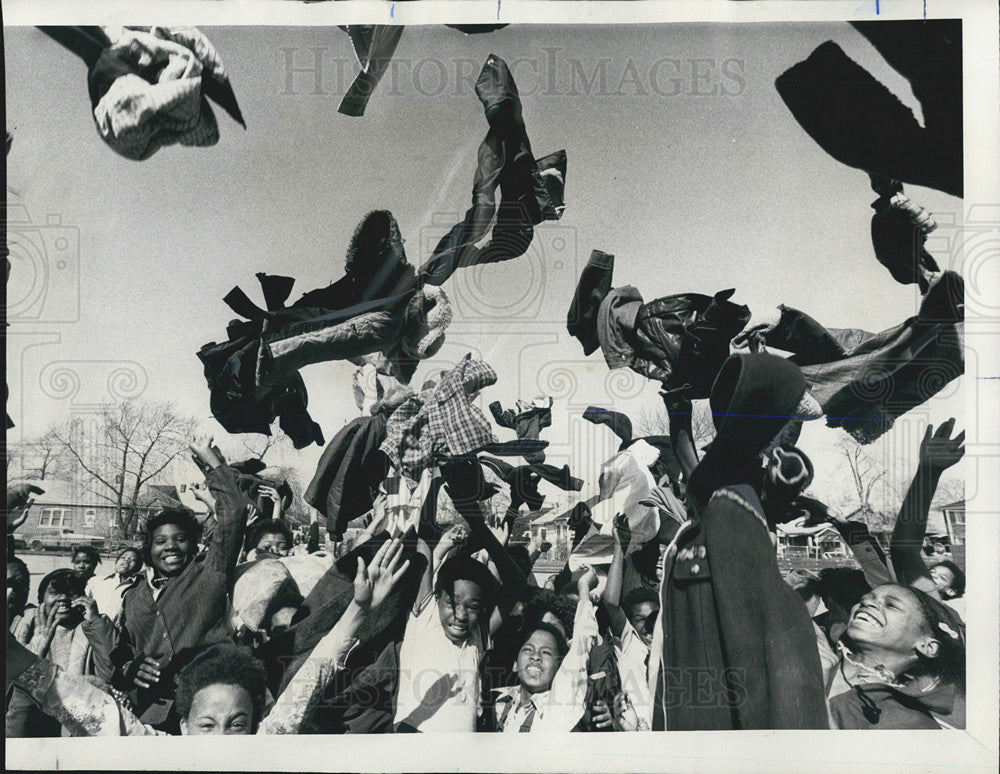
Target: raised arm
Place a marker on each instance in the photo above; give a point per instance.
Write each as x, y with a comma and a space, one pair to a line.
230, 508
466, 487
938, 452
612, 596
372, 585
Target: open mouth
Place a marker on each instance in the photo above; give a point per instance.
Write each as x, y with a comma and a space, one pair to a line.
533, 671
863, 616
172, 560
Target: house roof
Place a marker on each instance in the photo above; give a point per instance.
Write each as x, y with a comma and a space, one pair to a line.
953, 506
59, 492
795, 528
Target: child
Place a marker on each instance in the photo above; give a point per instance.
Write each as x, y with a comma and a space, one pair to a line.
85, 561
632, 622
108, 591
222, 690
442, 646
268, 537
51, 631
551, 688
180, 605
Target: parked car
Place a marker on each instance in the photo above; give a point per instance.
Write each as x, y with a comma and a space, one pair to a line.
63, 539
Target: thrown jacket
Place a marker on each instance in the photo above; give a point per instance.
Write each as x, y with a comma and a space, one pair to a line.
530, 191
348, 475
865, 381
149, 88
679, 340
440, 421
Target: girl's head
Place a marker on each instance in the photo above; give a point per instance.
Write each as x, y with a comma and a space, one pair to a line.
949, 579
908, 631
171, 541
542, 650
221, 692
271, 536
57, 591
465, 592
129, 562
85, 561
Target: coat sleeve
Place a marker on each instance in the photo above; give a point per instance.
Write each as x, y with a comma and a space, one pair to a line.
231, 513
102, 636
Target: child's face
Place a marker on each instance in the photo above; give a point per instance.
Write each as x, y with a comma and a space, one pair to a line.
84, 565
642, 618
537, 662
220, 709
170, 549
459, 610
62, 603
127, 563
273, 544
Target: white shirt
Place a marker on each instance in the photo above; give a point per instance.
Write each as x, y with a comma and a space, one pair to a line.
560, 708
109, 593
632, 655
438, 680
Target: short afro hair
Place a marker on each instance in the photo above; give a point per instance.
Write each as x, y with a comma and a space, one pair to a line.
538, 602
637, 596
468, 569
263, 527
183, 518
223, 664
61, 581
88, 551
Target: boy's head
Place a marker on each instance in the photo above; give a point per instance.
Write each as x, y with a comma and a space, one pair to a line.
85, 561
221, 692
641, 606
949, 579
129, 562
57, 591
464, 591
542, 650
271, 536
171, 541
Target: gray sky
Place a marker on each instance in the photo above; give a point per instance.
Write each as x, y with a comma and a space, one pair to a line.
695, 184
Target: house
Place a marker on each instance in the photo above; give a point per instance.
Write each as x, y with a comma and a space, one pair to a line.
552, 526
954, 521
819, 542
66, 505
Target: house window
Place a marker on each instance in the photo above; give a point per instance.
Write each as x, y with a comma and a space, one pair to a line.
54, 517
89, 517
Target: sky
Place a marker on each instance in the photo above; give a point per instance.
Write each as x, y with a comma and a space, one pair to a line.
683, 162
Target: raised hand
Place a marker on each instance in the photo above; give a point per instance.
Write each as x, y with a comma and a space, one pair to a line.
204, 453
454, 536
372, 585
938, 450
19, 500
623, 532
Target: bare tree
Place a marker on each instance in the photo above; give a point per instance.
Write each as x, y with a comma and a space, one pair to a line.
38, 458
123, 448
656, 421
259, 445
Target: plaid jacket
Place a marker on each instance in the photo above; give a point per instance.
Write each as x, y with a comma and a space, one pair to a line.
440, 420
